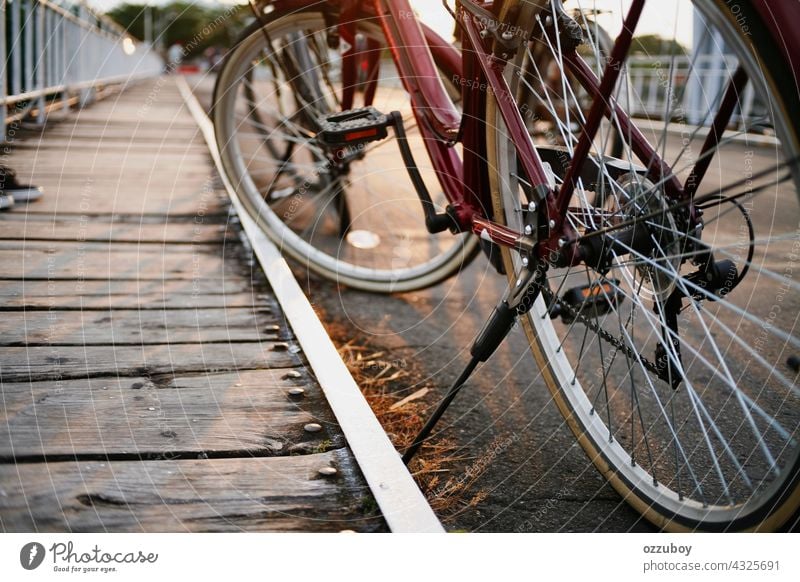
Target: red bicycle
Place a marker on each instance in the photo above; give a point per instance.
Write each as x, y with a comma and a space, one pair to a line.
651, 257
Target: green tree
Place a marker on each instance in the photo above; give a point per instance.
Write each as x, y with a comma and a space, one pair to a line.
195, 26
655, 45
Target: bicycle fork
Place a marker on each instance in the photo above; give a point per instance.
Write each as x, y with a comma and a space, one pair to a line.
518, 300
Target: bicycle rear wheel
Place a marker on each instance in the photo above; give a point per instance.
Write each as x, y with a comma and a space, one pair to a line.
351, 215
680, 396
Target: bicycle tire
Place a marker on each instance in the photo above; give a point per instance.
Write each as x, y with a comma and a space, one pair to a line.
329, 265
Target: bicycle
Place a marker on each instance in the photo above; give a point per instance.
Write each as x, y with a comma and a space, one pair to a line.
633, 269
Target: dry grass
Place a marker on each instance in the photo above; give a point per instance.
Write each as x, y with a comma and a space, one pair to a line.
401, 405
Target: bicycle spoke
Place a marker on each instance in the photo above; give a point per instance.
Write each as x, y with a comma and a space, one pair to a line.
736, 392
727, 380
693, 288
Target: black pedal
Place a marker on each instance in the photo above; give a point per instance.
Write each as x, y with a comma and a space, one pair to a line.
353, 127
589, 300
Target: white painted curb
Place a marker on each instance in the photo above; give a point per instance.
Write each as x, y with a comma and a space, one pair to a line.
402, 504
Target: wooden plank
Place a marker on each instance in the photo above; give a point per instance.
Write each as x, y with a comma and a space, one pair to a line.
96, 147
252, 494
93, 261
139, 150
177, 131
136, 327
188, 137
165, 197
23, 227
93, 118
146, 181
86, 156
85, 136
242, 414
140, 294
149, 365
145, 171
97, 161
67, 362
144, 185
52, 146
67, 247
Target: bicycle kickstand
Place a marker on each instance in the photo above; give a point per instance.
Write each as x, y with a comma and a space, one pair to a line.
518, 300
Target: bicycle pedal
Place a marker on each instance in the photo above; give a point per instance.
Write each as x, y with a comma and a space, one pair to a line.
589, 301
353, 127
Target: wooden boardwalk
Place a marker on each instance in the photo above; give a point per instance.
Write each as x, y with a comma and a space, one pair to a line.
145, 367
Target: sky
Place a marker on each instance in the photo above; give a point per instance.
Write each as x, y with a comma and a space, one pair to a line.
667, 18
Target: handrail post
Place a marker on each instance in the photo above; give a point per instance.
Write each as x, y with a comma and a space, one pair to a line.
62, 62
3, 71
40, 59
85, 56
16, 54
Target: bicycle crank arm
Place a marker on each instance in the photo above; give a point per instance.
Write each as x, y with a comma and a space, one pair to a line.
351, 130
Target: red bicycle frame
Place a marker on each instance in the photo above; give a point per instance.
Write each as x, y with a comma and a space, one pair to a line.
416, 49
466, 185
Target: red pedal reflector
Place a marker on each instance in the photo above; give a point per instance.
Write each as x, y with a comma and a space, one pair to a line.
356, 135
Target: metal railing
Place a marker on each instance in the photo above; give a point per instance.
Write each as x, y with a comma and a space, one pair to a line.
54, 52
685, 89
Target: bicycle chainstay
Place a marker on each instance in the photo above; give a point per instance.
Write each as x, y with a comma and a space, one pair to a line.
550, 299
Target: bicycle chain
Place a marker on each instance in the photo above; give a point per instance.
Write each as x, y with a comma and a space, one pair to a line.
602, 333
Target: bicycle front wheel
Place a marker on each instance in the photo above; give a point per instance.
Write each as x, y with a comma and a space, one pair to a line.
350, 215
668, 358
